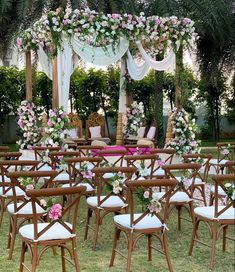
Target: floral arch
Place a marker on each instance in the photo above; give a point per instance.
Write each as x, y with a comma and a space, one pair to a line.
102, 40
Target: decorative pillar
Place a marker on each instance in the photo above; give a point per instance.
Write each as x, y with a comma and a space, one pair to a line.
28, 76
178, 75
122, 103
55, 95
169, 130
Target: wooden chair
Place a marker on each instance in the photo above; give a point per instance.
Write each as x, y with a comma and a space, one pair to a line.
135, 149
40, 152
96, 120
216, 217
10, 155
103, 204
6, 192
201, 178
88, 150
222, 156
144, 164
4, 149
21, 208
165, 157
54, 233
182, 196
147, 223
230, 166
59, 164
79, 170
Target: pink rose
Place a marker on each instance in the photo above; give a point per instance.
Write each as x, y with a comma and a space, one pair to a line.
19, 41
49, 123
146, 194
55, 212
193, 143
29, 187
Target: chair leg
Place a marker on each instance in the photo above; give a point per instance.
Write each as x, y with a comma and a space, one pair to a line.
63, 259
23, 250
34, 257
211, 199
179, 209
191, 211
130, 247
13, 236
96, 231
89, 214
75, 256
204, 195
167, 252
149, 247
2, 209
194, 234
9, 233
213, 245
224, 237
116, 237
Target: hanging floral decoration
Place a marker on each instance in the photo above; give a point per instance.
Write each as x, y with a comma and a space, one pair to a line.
184, 130
29, 116
86, 171
53, 208
117, 182
99, 29
230, 191
55, 131
133, 119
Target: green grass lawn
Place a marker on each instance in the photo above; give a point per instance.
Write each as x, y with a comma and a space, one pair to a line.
98, 261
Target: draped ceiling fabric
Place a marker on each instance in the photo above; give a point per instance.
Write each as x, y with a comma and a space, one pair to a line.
101, 57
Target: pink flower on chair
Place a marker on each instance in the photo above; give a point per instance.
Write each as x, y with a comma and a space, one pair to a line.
55, 212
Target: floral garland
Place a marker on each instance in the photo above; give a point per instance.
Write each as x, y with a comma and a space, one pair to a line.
149, 200
98, 29
133, 119
29, 115
57, 124
184, 129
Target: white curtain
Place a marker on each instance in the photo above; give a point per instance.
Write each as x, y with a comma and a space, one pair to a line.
65, 70
45, 62
138, 72
98, 55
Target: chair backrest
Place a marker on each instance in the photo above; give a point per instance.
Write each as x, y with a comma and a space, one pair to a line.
201, 159
227, 183
185, 175
26, 181
112, 157
76, 123
115, 184
230, 165
58, 158
10, 155
165, 156
14, 165
94, 120
88, 150
137, 149
79, 169
146, 189
4, 149
58, 217
41, 154
226, 151
144, 164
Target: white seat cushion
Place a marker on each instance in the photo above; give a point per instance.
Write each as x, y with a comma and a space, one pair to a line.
177, 197
108, 175
89, 188
27, 209
45, 168
216, 161
19, 191
208, 212
159, 172
57, 231
148, 222
6, 179
62, 176
220, 190
111, 202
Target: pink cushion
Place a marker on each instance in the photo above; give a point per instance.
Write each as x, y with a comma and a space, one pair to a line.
95, 132
151, 133
141, 132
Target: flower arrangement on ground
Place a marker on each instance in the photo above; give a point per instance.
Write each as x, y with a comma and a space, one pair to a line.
184, 129
133, 119
29, 115
57, 124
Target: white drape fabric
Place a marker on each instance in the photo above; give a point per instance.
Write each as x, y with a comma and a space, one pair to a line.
138, 72
98, 55
45, 63
64, 71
